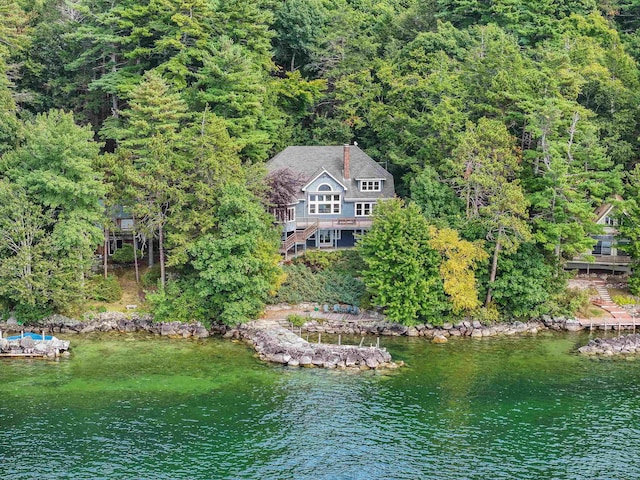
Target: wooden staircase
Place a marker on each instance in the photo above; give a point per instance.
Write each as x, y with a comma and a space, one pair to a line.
299, 237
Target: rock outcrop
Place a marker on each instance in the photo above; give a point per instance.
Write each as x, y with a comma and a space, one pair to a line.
623, 345
50, 347
279, 345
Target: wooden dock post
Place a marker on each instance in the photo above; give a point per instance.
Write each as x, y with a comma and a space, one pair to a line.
618, 329
377, 342
361, 341
319, 337
339, 339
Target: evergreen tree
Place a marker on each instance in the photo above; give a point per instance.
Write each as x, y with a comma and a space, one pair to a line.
151, 136
53, 173
402, 271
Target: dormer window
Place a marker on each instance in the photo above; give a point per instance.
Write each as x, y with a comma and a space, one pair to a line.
611, 221
370, 185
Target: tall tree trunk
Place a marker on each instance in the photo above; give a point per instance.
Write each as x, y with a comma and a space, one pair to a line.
150, 251
105, 253
135, 249
161, 247
135, 257
494, 270
114, 98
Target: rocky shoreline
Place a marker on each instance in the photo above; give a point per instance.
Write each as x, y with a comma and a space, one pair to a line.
465, 328
299, 352
110, 322
622, 345
276, 344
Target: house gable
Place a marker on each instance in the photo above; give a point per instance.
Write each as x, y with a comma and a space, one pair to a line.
324, 178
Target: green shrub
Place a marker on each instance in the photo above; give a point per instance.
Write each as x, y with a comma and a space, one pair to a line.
104, 289
570, 301
348, 262
179, 301
316, 260
625, 300
31, 313
303, 285
297, 320
300, 285
487, 315
151, 276
125, 254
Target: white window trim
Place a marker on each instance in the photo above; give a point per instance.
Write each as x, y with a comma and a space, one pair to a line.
362, 208
374, 185
333, 236
289, 214
332, 202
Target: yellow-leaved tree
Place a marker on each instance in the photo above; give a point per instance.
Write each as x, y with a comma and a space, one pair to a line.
459, 261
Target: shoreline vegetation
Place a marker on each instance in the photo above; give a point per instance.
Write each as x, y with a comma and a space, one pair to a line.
131, 135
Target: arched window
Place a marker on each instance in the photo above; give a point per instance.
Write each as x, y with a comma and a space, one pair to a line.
324, 203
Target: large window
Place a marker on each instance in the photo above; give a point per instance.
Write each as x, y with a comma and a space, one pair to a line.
611, 221
603, 246
284, 214
370, 185
364, 209
324, 203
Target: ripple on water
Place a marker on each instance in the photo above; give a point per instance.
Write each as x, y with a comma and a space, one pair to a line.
497, 409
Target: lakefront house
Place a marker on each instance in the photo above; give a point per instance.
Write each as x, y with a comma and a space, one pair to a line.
605, 255
340, 187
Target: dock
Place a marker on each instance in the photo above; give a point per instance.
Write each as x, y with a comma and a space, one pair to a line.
32, 345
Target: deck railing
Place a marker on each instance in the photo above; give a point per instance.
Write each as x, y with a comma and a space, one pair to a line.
604, 259
344, 223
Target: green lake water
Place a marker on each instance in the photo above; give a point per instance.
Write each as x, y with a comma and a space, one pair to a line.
134, 407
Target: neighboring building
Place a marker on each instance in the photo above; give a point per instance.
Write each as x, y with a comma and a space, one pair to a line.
121, 234
341, 187
605, 253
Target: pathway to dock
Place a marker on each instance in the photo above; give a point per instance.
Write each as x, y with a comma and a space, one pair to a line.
618, 315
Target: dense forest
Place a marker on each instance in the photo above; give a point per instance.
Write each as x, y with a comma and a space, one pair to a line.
504, 122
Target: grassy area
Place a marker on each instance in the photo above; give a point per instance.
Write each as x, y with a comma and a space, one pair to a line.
132, 292
591, 311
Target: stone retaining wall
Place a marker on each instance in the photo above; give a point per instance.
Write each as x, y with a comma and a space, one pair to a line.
465, 328
110, 322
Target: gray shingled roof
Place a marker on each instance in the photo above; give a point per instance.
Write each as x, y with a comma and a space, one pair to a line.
311, 160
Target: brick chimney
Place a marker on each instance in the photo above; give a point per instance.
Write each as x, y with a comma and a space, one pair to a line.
345, 158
